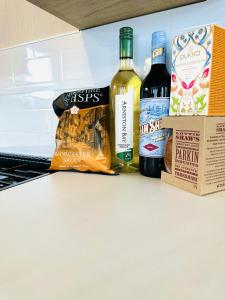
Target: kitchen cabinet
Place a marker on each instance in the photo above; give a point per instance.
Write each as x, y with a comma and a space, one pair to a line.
21, 22
91, 13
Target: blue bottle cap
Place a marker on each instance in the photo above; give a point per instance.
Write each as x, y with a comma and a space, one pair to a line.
159, 39
159, 47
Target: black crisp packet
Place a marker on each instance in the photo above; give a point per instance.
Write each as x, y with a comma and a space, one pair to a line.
82, 99
82, 135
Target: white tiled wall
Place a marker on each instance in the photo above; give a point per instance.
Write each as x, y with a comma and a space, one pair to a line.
32, 75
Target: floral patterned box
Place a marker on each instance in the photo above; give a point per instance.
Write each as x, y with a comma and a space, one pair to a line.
198, 72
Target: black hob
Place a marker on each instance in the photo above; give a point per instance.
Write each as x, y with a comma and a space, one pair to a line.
18, 169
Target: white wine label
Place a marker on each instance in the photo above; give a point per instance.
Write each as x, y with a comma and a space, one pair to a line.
124, 120
152, 136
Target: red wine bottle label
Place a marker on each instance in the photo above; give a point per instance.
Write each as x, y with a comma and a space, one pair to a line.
152, 136
124, 120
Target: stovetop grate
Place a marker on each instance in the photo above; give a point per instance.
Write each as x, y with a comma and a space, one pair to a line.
16, 169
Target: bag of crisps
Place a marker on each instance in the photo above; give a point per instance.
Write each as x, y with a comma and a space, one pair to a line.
82, 135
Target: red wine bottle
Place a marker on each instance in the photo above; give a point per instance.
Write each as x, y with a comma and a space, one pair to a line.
155, 93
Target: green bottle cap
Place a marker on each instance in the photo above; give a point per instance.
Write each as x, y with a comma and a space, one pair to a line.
126, 42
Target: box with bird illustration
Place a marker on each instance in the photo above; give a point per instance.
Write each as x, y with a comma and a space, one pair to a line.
198, 72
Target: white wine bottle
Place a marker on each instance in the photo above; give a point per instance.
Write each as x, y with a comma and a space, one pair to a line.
125, 108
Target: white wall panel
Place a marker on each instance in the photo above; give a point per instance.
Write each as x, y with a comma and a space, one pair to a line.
32, 75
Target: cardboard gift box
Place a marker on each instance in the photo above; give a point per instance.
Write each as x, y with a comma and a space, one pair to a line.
198, 153
197, 79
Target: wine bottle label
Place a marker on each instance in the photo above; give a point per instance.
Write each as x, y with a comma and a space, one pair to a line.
159, 56
124, 119
158, 52
152, 136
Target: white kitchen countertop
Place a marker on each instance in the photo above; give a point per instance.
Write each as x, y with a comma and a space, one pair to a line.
73, 236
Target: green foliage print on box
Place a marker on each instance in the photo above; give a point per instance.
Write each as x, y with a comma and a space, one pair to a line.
174, 105
200, 104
